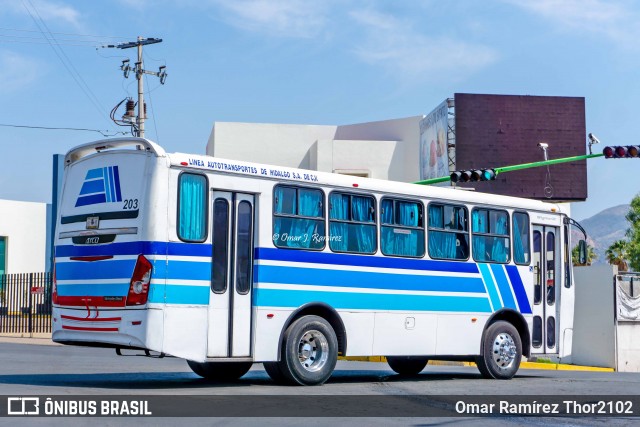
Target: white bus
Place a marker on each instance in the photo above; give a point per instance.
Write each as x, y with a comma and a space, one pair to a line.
226, 263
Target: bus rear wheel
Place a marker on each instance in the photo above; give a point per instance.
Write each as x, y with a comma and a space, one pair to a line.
220, 371
309, 353
407, 365
501, 352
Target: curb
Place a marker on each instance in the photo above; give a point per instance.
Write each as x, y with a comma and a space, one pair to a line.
523, 365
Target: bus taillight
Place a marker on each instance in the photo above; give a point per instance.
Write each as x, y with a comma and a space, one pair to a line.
54, 286
139, 285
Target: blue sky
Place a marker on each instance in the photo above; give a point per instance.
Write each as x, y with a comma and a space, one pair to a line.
312, 62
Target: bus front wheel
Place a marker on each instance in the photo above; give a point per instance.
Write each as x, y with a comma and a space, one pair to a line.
310, 351
407, 365
501, 351
220, 371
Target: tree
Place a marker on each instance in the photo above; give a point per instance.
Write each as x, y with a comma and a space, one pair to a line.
617, 254
575, 255
633, 233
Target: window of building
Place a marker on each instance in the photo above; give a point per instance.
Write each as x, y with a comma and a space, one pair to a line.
402, 228
352, 223
521, 239
490, 235
448, 232
298, 218
192, 207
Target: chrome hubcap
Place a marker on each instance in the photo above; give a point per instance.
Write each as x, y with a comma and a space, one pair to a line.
504, 351
313, 351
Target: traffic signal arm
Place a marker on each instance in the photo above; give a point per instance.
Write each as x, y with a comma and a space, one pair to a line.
515, 168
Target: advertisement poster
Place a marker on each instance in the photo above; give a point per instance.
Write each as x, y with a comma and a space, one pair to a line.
433, 143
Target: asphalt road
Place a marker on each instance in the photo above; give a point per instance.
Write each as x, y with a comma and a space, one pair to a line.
61, 370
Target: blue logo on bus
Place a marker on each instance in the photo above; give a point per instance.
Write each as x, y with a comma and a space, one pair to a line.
101, 185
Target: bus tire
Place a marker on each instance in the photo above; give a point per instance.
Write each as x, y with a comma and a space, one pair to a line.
501, 351
220, 371
274, 372
309, 351
407, 365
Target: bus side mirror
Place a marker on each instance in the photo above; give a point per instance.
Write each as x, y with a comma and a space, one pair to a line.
582, 252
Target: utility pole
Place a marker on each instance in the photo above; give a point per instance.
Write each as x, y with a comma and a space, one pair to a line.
139, 70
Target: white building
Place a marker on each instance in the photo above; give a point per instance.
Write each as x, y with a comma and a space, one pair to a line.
386, 149
23, 237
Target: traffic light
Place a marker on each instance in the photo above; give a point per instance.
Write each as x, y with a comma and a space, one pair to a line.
621, 151
473, 175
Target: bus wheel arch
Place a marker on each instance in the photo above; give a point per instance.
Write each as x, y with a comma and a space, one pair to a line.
503, 345
518, 321
325, 311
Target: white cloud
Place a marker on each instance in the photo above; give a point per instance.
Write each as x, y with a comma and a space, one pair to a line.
49, 11
611, 19
16, 71
283, 18
396, 45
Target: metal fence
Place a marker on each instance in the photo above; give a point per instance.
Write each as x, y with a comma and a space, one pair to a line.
25, 303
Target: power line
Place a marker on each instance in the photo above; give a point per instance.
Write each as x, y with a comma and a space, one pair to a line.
105, 133
59, 40
76, 77
153, 111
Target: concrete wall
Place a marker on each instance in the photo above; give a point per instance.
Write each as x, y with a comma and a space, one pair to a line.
386, 149
594, 340
24, 224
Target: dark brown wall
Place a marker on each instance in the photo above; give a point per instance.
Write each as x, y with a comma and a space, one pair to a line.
504, 130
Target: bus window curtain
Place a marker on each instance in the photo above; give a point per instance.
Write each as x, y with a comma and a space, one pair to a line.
365, 237
518, 246
479, 225
499, 252
309, 204
338, 231
441, 244
193, 197
408, 214
386, 215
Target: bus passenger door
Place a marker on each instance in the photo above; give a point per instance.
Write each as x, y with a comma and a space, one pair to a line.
229, 329
547, 279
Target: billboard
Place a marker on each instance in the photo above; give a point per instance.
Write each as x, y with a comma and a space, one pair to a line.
504, 130
434, 159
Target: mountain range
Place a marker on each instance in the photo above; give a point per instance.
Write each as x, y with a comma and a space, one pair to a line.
603, 229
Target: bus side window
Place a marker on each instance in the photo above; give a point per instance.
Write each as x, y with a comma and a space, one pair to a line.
298, 218
352, 223
490, 228
521, 239
402, 228
192, 207
448, 232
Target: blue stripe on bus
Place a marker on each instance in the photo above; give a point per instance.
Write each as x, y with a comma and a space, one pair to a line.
491, 287
112, 184
503, 285
179, 294
518, 288
90, 200
89, 187
364, 260
94, 173
136, 248
107, 186
186, 270
366, 279
78, 270
364, 301
116, 176
93, 290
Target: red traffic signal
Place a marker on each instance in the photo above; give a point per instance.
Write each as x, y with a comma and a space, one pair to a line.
473, 175
621, 151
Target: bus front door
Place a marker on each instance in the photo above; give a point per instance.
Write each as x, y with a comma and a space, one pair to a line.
229, 329
547, 277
